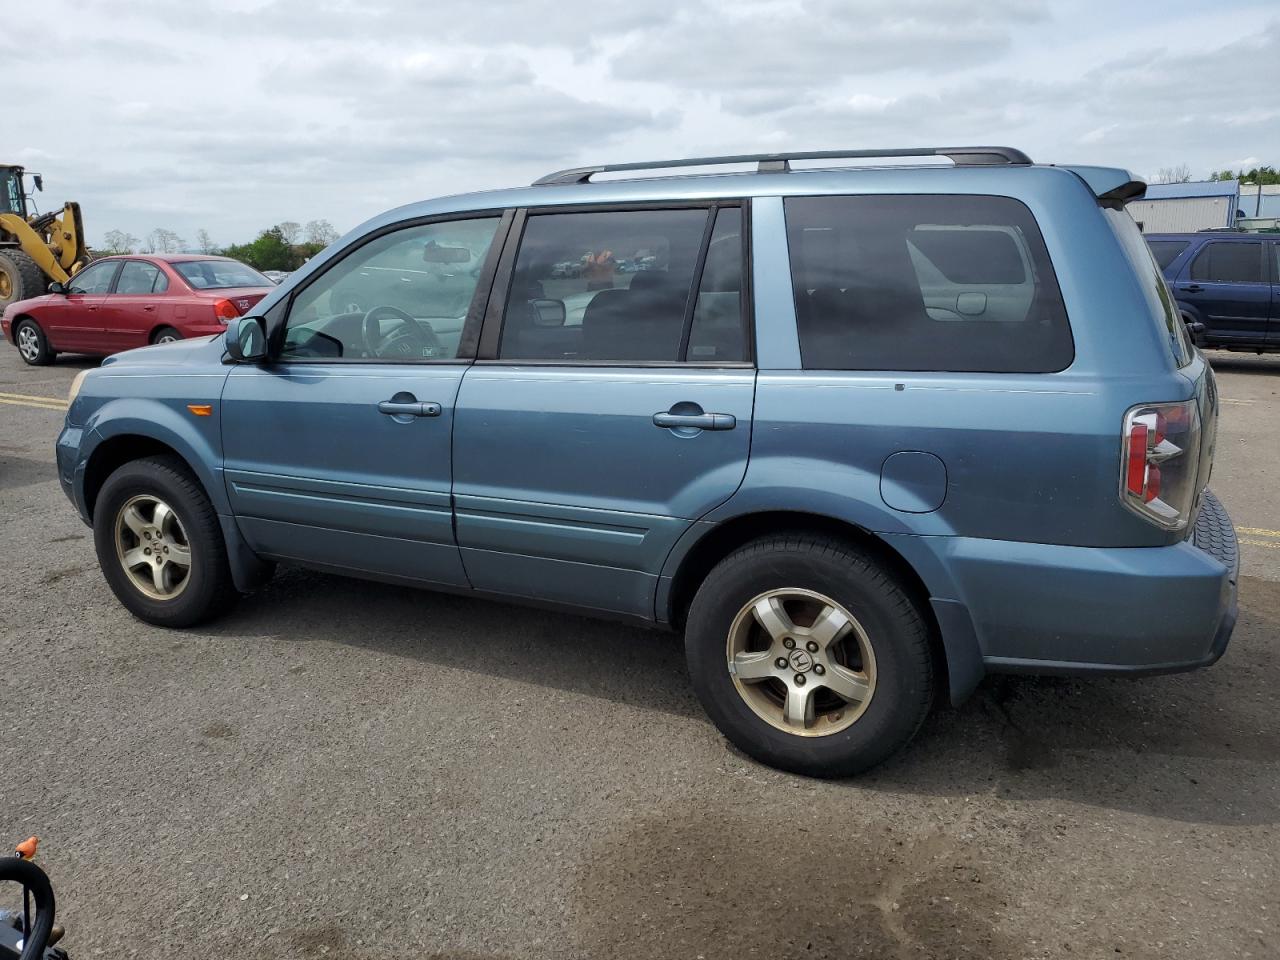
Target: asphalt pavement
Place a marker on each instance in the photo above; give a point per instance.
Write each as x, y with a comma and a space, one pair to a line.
346, 769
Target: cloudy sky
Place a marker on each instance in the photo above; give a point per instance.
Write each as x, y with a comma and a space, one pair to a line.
232, 116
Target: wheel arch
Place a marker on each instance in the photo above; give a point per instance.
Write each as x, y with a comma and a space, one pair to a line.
248, 570
957, 655
114, 452
16, 319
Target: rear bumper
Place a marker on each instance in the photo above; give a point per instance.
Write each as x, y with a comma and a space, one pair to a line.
1045, 609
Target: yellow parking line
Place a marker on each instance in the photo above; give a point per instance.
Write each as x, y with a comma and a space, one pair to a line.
27, 396
47, 405
1260, 543
1258, 531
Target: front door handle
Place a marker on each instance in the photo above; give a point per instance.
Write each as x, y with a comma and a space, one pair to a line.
695, 421
409, 408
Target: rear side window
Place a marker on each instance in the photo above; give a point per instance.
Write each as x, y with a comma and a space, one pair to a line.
1167, 251
139, 277
1229, 262
943, 283
623, 286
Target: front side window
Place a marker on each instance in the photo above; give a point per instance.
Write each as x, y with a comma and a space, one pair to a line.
1229, 262
93, 279
138, 277
616, 286
219, 274
401, 296
944, 283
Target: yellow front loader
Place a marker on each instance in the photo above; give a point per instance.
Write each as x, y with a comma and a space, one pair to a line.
38, 249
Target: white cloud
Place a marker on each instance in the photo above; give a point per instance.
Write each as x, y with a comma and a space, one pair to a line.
236, 115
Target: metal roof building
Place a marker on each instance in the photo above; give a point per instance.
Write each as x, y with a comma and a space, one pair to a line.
1187, 207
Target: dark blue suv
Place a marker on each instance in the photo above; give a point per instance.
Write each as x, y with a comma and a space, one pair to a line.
863, 435
1227, 286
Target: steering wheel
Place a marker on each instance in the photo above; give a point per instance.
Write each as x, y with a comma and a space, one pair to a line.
33, 879
413, 339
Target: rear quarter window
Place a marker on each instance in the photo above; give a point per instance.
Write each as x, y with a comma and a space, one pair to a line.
938, 282
1163, 310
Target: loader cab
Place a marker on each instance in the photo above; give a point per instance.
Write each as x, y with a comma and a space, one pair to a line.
12, 196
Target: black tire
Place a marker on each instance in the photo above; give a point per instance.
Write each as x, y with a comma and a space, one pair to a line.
165, 334
24, 277
895, 628
209, 590
28, 328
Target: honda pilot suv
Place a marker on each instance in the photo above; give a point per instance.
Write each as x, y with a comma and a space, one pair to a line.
862, 434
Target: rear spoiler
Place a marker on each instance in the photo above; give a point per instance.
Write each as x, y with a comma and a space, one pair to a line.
1113, 186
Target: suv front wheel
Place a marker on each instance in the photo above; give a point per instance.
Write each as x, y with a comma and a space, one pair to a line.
159, 544
809, 655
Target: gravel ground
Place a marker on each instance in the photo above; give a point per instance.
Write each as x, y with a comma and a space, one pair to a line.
346, 769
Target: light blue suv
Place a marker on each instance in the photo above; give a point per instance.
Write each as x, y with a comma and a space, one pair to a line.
863, 434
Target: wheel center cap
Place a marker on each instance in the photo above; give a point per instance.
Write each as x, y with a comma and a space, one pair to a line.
801, 660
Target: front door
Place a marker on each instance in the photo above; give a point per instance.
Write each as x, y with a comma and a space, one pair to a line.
338, 452
76, 318
1227, 283
613, 408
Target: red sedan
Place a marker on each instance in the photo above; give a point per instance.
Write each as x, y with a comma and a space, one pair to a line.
118, 303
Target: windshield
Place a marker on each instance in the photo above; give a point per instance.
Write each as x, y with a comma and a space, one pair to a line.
215, 274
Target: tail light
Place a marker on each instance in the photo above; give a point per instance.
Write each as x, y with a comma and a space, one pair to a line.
225, 310
1161, 454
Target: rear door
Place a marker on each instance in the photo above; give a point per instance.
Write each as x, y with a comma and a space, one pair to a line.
1227, 284
611, 405
338, 454
75, 322
134, 307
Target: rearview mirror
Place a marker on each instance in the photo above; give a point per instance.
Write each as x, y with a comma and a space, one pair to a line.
57, 287
246, 339
435, 253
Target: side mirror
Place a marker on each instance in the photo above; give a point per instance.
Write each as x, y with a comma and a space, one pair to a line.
246, 340
548, 313
57, 287
39, 182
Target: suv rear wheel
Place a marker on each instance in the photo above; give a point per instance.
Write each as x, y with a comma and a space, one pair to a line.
809, 656
159, 544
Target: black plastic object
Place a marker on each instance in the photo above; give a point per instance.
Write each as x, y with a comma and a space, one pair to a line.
34, 881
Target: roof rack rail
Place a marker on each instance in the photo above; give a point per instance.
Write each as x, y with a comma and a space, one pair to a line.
781, 162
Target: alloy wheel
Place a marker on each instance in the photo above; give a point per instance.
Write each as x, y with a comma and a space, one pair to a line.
801, 662
28, 343
152, 547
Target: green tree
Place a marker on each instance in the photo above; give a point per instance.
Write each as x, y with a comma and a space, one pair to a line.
270, 251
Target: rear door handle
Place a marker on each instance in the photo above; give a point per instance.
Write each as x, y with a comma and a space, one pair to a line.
1192, 288
396, 408
695, 421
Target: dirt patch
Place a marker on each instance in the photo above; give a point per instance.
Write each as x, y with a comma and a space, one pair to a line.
784, 886
53, 576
